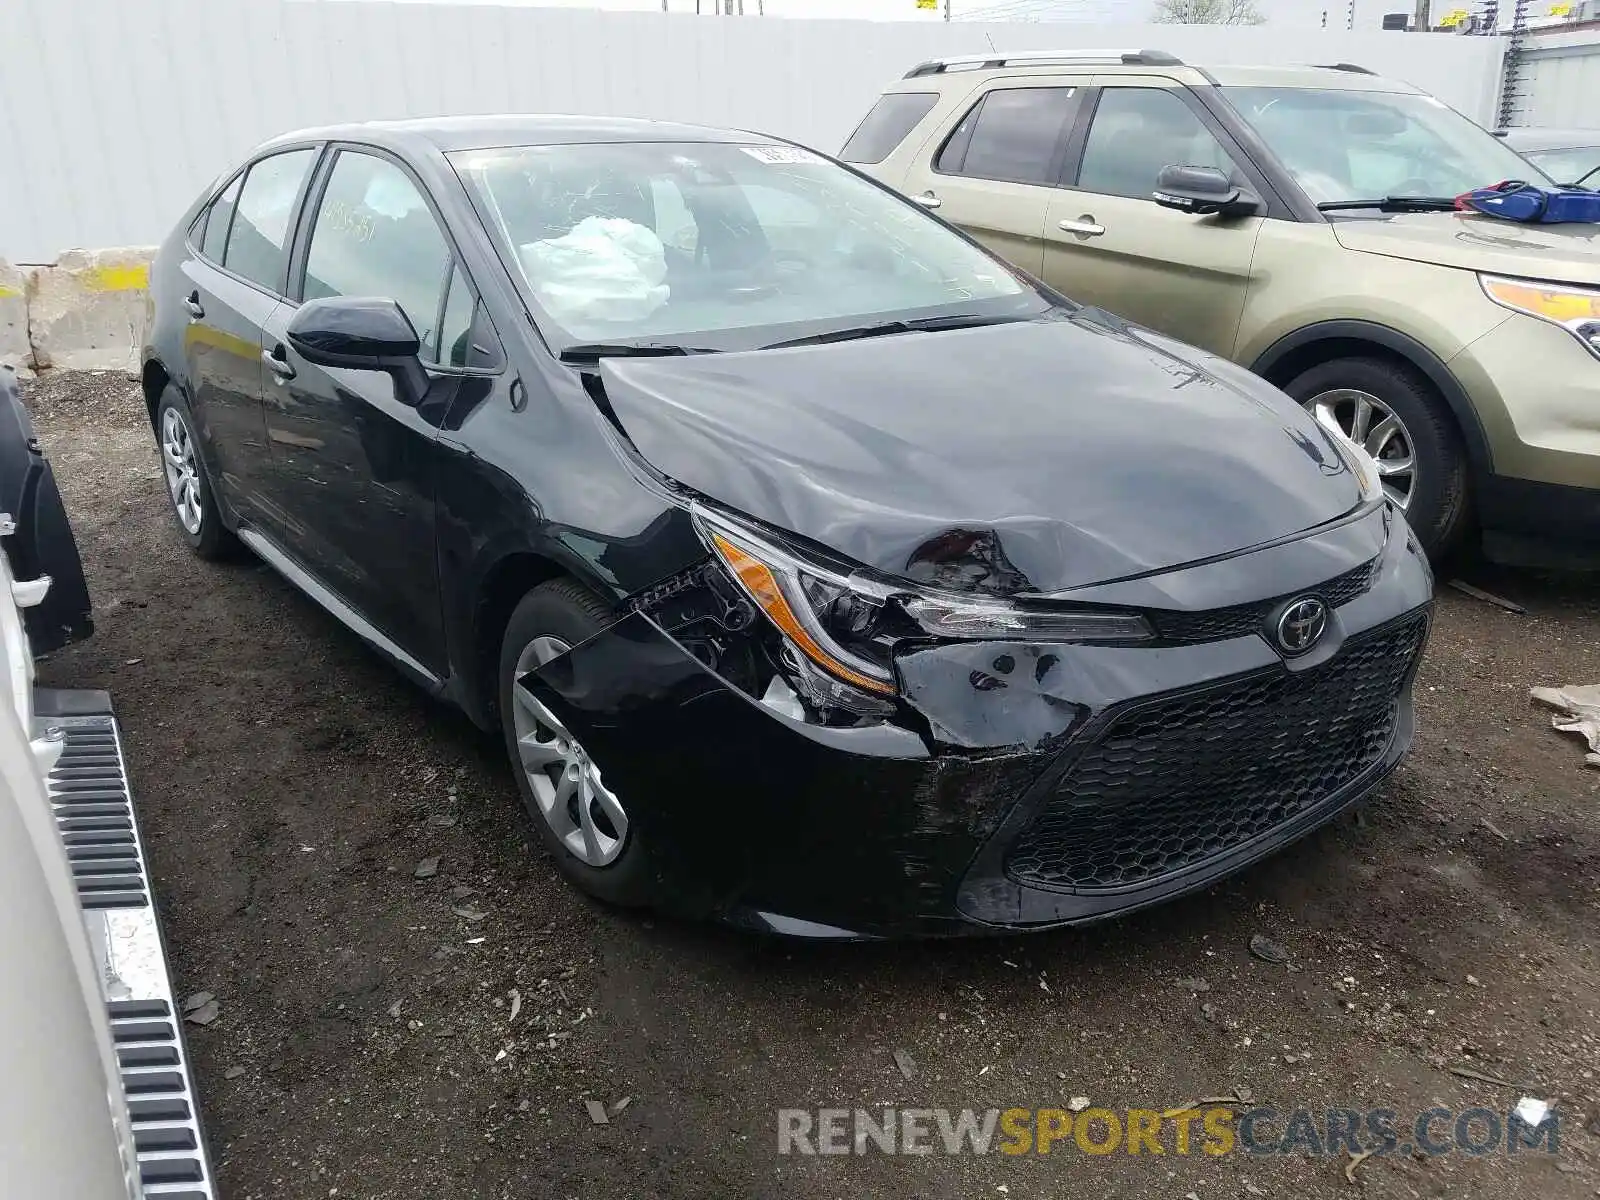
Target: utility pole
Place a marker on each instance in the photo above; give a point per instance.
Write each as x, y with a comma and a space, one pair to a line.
947, 4
1422, 21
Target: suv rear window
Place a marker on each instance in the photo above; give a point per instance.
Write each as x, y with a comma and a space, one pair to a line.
1012, 134
886, 126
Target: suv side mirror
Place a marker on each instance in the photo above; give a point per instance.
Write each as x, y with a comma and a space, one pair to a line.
1202, 191
361, 333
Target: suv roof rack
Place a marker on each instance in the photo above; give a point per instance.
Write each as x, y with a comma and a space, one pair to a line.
982, 62
1351, 67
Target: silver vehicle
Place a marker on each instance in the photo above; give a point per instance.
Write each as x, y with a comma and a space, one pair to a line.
1566, 155
99, 1101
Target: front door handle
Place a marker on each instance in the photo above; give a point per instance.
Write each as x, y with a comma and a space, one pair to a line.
1085, 226
192, 303
928, 200
278, 363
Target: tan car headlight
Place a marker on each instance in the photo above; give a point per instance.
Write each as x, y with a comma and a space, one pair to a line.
1575, 309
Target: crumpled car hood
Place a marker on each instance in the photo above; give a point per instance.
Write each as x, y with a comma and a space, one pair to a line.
1021, 458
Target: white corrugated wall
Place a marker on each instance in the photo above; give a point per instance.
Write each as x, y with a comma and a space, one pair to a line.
1561, 81
114, 113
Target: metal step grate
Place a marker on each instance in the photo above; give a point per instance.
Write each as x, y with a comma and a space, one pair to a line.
94, 812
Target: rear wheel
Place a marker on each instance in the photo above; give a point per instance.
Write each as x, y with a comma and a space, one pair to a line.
194, 506
1401, 420
580, 819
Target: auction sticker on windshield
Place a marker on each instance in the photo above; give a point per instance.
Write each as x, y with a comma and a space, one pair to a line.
777, 155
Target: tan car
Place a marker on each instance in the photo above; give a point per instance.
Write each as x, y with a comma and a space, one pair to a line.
1299, 221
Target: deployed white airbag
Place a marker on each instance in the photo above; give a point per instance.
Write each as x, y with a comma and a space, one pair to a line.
604, 269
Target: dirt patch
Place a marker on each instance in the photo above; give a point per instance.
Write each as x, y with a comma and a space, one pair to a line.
290, 783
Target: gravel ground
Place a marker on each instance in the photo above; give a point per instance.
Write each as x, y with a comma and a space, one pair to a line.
387, 1036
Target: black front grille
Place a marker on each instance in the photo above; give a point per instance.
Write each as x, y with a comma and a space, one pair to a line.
1186, 778
1237, 620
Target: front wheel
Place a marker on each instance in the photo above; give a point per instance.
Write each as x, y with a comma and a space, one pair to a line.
194, 505
1400, 419
581, 821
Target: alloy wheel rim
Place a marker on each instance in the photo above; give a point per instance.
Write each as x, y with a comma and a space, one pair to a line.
1373, 425
583, 813
183, 474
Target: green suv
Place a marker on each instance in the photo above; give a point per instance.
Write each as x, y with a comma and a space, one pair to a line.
1300, 221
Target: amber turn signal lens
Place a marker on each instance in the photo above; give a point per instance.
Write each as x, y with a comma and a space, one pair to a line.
758, 580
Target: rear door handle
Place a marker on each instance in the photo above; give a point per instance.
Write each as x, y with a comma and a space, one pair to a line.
928, 200
1084, 225
192, 303
278, 362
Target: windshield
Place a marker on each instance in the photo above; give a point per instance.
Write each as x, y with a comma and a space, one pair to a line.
720, 246
1571, 165
1345, 146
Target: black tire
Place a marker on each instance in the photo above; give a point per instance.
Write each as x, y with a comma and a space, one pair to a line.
1438, 507
566, 610
213, 539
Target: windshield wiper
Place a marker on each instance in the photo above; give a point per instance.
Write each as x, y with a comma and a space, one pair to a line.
1393, 204
592, 352
885, 328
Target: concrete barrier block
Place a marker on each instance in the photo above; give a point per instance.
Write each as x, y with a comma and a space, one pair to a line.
87, 312
14, 349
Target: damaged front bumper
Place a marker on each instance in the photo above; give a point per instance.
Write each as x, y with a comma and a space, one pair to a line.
1033, 785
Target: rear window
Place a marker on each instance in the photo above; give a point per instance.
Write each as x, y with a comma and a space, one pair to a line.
258, 239
1012, 134
886, 126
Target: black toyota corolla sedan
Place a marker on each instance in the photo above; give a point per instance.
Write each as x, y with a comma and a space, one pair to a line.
823, 573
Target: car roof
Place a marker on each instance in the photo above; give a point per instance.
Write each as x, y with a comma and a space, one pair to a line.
1329, 78
1144, 63
1551, 139
484, 132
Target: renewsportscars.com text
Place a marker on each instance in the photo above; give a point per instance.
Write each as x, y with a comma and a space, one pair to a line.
1213, 1131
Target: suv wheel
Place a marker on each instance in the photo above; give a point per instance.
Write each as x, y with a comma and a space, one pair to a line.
193, 503
1398, 417
582, 822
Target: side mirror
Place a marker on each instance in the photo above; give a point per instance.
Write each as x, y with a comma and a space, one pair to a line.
1202, 191
361, 333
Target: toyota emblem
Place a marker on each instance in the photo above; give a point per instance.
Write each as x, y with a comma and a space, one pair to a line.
1301, 624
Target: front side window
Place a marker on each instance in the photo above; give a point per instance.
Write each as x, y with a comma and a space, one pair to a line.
886, 126
1012, 135
1136, 132
1351, 146
258, 239
467, 338
721, 246
376, 236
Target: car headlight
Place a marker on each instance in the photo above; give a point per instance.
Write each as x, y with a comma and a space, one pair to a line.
845, 622
1362, 465
1575, 309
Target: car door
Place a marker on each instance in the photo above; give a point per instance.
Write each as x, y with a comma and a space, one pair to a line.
234, 280
354, 458
1109, 244
994, 171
